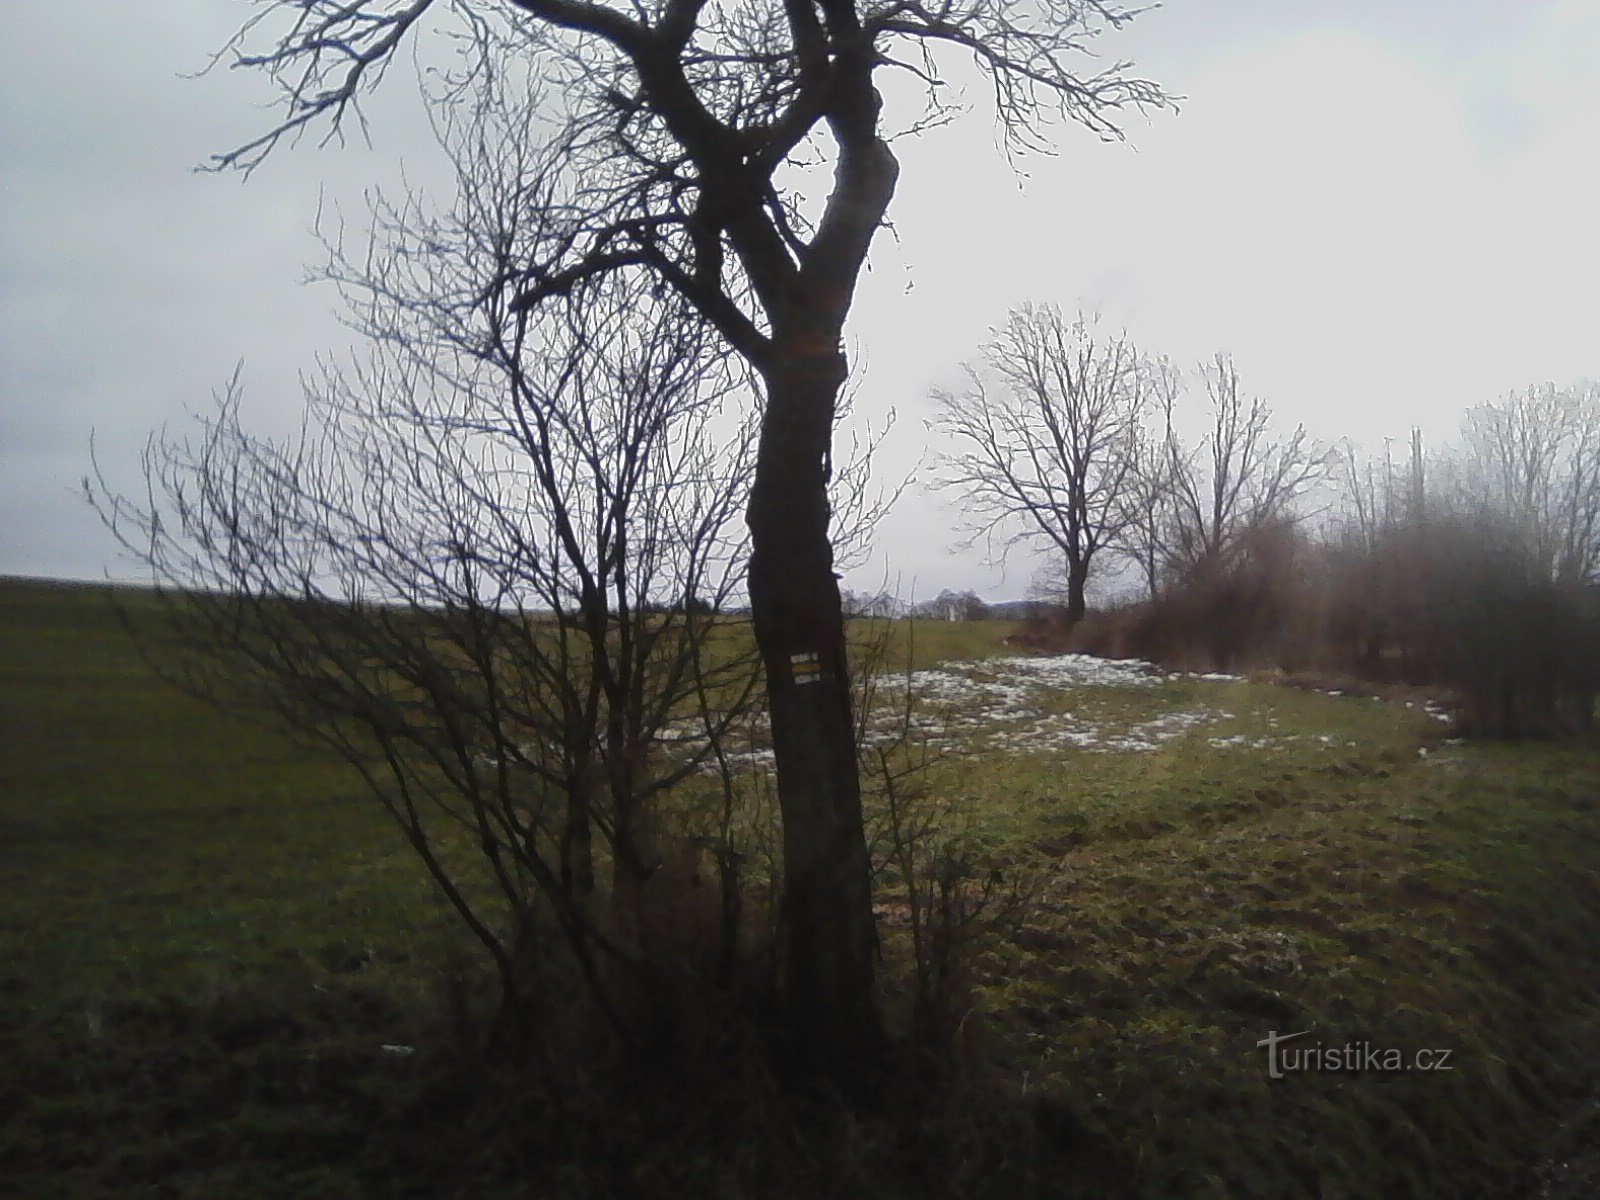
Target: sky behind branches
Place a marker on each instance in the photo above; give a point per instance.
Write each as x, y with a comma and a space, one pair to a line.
1384, 209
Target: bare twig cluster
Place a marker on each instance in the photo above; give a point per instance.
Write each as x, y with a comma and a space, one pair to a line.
494, 573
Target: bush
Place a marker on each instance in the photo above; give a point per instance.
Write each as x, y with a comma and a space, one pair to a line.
1256, 607
1522, 651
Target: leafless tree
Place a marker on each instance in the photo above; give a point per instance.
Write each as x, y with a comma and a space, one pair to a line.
1148, 492
1238, 479
950, 605
1520, 649
1534, 458
1475, 569
1366, 497
489, 574
684, 132
1372, 544
1047, 435
1511, 557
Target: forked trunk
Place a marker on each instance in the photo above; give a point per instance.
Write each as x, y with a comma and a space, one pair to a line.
829, 937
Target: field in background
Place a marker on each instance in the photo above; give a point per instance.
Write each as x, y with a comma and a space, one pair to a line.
222, 974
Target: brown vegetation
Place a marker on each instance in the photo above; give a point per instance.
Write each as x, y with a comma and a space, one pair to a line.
1462, 612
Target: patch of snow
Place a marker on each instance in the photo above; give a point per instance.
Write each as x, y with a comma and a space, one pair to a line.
1249, 743
1003, 704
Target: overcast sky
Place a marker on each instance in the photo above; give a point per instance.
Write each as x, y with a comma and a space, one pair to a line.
1384, 209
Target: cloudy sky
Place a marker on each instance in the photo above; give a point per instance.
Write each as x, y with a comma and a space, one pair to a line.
1384, 209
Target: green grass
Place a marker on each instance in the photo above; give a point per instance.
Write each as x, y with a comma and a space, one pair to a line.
150, 835
198, 916
208, 936
1191, 900
924, 643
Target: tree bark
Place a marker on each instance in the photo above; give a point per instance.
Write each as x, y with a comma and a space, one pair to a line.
830, 939
830, 945
1077, 586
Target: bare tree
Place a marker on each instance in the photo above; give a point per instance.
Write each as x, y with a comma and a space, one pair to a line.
951, 605
1520, 649
1534, 457
1047, 435
1149, 491
1510, 555
684, 130
488, 575
1238, 479
1377, 602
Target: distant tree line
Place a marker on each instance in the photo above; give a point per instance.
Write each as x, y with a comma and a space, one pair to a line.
1479, 567
1476, 568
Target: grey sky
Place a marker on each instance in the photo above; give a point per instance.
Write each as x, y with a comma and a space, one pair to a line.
1382, 208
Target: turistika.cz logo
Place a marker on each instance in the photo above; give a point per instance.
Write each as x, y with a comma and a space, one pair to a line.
1283, 1059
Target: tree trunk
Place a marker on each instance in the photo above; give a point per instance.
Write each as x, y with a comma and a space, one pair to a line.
830, 939
577, 840
830, 942
1077, 584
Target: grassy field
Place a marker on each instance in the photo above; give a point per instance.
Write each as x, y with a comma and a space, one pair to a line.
222, 974
205, 936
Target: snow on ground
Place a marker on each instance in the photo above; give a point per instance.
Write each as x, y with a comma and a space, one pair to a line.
1017, 704
1004, 703
1026, 705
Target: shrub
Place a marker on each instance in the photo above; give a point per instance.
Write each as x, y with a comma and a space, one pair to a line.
1522, 651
